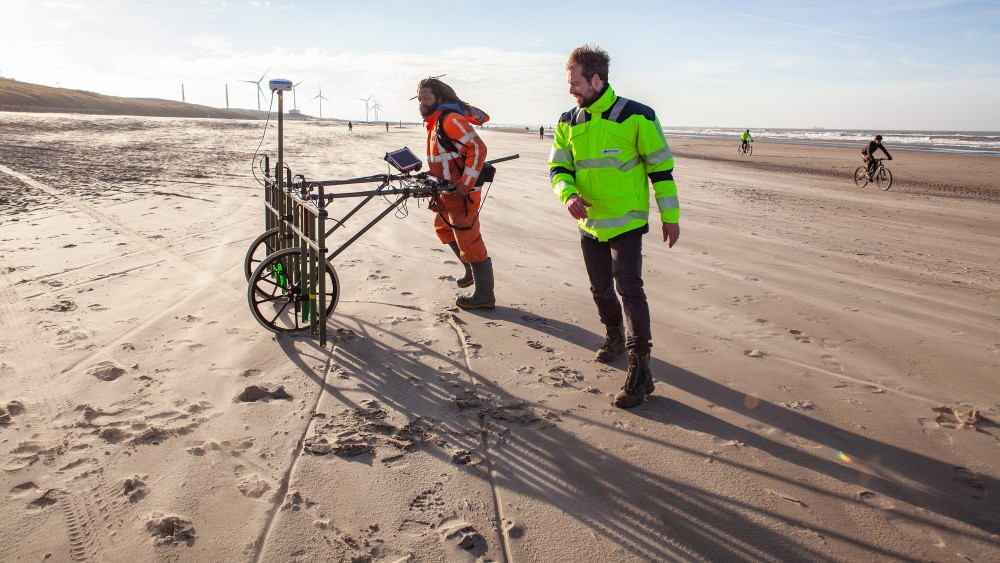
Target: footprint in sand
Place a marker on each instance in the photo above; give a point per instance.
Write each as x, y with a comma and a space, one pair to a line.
202, 448
454, 529
134, 488
106, 371
972, 484
255, 393
539, 346
829, 344
534, 319
47, 499
513, 531
830, 362
431, 499
170, 530
68, 337
935, 431
253, 486
799, 336
63, 306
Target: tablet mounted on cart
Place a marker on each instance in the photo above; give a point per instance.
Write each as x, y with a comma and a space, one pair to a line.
403, 160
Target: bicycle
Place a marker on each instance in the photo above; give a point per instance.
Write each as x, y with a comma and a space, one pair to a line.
745, 149
882, 177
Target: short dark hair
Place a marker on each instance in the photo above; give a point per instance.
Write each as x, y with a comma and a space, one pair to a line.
592, 60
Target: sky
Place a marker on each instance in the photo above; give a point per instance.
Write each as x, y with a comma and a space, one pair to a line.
882, 65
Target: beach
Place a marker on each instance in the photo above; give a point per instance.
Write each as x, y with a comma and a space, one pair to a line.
826, 360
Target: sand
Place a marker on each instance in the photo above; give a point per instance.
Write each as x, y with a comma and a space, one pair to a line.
826, 362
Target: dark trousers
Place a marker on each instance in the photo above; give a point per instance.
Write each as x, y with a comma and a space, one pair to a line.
617, 263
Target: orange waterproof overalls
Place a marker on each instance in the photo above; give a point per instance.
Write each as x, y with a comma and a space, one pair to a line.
462, 167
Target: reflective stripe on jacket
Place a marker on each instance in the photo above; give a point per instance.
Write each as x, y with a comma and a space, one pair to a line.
462, 165
607, 154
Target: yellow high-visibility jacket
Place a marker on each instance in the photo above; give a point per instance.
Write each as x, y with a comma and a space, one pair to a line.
607, 154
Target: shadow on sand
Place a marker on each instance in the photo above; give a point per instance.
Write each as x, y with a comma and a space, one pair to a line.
646, 513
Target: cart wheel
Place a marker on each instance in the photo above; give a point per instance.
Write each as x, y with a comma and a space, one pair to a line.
262, 247
279, 299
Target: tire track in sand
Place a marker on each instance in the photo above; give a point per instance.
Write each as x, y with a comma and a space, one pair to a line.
206, 279
484, 443
125, 231
279, 495
29, 359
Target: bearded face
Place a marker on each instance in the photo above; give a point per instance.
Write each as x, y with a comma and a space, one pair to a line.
585, 90
427, 102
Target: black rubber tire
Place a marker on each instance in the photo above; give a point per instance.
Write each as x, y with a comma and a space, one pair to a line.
274, 289
883, 178
861, 176
268, 242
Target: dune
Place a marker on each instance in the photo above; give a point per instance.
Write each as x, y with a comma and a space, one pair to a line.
825, 356
26, 97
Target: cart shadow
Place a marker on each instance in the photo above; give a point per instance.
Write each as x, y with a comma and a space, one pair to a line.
647, 513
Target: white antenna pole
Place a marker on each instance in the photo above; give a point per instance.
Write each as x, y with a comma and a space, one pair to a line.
183, 100
227, 96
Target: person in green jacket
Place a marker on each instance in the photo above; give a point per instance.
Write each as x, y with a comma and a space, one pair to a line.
606, 152
746, 136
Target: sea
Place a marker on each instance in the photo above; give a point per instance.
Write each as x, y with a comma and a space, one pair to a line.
983, 143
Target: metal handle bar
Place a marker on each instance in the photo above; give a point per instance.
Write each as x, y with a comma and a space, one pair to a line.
503, 159
386, 178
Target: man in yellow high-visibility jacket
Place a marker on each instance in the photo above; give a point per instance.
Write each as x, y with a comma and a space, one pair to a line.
606, 152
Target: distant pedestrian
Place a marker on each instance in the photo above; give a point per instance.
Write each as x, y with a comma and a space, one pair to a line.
386, 126
350, 126
541, 132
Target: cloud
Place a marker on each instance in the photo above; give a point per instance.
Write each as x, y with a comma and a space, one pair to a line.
215, 44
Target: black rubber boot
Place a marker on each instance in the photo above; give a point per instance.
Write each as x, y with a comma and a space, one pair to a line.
638, 383
614, 344
483, 297
467, 279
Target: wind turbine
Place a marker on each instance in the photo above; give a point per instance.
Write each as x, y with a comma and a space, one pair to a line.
260, 92
295, 99
365, 100
321, 98
376, 107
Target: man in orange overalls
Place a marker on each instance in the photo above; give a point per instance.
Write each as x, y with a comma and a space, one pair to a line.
456, 154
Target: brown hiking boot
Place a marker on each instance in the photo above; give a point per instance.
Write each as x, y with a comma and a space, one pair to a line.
614, 344
638, 383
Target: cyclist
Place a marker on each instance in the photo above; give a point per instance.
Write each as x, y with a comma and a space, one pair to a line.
744, 138
868, 153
